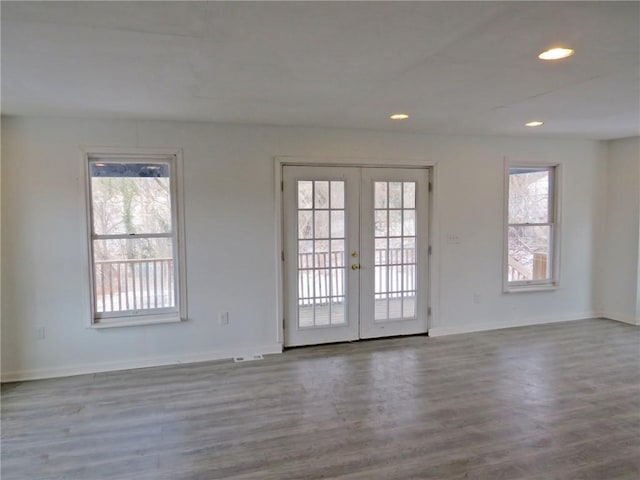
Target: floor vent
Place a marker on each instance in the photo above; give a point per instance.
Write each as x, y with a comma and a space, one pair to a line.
249, 358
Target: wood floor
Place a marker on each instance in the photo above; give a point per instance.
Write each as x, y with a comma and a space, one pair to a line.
555, 401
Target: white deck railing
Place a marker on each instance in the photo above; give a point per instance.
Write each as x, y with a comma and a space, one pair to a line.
123, 285
517, 272
321, 275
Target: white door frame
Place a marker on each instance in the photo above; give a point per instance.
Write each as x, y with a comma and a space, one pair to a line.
433, 291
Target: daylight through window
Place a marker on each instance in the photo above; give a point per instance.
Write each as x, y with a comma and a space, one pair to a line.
133, 237
531, 226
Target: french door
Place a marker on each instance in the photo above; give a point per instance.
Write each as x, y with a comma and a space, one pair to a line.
356, 253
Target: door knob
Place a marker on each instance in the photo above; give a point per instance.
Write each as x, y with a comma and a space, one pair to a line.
355, 266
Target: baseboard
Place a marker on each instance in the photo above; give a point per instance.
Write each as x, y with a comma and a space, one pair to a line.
156, 361
618, 317
159, 361
482, 327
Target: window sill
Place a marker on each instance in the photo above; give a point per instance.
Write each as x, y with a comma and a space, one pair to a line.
532, 288
135, 321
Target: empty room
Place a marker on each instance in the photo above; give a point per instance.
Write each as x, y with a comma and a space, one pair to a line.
305, 240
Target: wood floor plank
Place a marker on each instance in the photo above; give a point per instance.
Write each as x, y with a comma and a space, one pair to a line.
546, 402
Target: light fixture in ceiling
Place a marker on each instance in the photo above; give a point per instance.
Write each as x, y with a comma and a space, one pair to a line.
399, 116
556, 53
534, 123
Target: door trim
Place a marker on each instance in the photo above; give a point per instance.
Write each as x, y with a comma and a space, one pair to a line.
433, 273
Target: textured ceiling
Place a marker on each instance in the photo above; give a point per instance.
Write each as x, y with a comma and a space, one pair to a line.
455, 67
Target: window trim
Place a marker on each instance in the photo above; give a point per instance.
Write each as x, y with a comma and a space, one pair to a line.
554, 255
157, 316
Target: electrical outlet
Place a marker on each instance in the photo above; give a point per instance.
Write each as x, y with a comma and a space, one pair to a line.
477, 298
223, 318
41, 333
453, 238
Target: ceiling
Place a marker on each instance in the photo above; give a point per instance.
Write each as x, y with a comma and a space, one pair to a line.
455, 67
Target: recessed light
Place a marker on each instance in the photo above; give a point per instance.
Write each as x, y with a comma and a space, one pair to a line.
534, 123
399, 116
99, 164
556, 53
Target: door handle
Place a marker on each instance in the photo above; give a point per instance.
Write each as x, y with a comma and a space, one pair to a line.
355, 266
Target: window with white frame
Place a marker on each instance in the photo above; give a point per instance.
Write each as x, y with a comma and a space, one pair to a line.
134, 238
531, 227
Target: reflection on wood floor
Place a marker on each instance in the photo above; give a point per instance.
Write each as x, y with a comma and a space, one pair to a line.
557, 401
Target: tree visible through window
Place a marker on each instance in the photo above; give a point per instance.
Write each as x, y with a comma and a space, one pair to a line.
133, 237
531, 225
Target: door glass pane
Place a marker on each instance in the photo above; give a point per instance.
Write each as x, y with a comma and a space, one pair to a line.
321, 218
409, 306
337, 253
394, 256
337, 311
321, 253
395, 194
381, 308
337, 195
321, 194
321, 256
323, 312
409, 250
380, 284
337, 224
395, 279
395, 308
337, 284
409, 223
305, 227
380, 195
408, 278
395, 223
305, 254
395, 250
322, 285
380, 255
409, 194
381, 223
305, 194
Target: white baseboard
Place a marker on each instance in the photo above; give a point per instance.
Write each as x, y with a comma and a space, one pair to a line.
619, 317
275, 348
156, 361
482, 327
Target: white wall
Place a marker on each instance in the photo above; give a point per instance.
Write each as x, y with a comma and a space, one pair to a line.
635, 151
230, 230
0, 245
620, 271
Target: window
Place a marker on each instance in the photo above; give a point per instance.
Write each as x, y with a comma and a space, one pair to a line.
134, 239
531, 231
